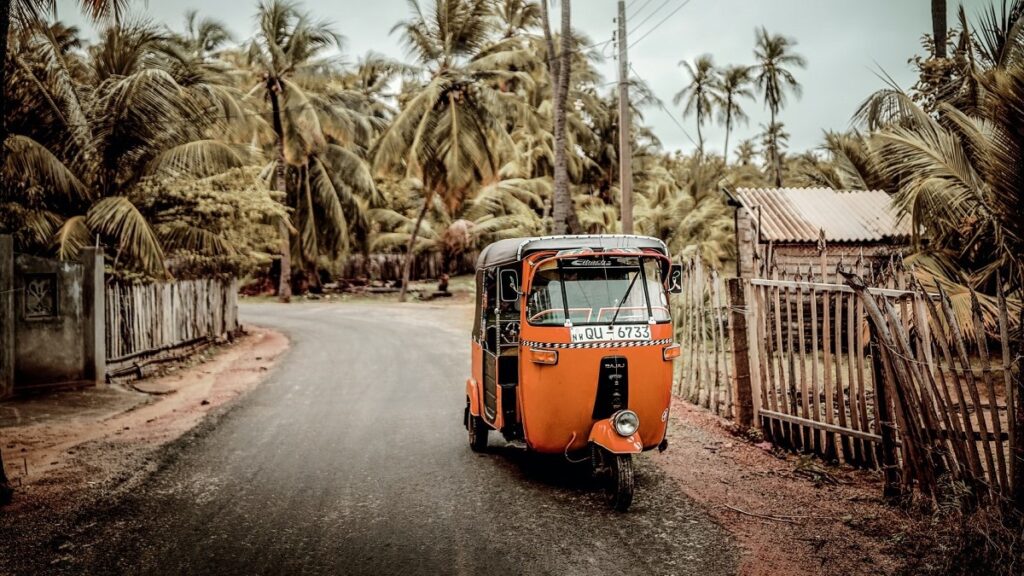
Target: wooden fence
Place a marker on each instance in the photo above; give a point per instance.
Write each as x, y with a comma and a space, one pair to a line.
954, 412
151, 322
703, 329
876, 376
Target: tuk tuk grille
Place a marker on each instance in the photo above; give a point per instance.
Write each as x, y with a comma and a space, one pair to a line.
627, 344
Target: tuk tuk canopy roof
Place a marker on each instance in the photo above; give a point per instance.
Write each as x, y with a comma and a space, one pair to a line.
515, 249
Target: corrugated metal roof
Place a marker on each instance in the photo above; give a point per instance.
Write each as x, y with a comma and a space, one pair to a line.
797, 214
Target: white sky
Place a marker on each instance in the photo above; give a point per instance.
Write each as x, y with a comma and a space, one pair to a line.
846, 44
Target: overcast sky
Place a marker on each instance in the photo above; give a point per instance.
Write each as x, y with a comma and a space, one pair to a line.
847, 43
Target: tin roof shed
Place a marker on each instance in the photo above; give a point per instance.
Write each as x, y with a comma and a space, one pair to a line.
798, 214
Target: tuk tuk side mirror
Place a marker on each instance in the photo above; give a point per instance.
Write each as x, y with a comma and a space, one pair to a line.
508, 285
675, 279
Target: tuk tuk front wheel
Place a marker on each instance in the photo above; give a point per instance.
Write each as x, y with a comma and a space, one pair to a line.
477, 432
621, 481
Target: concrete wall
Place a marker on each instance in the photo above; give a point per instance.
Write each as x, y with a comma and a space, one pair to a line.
6, 316
56, 336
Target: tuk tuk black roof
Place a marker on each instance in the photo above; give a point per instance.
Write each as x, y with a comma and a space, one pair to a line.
515, 249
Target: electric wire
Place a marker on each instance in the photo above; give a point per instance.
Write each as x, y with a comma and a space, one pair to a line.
658, 25
666, 111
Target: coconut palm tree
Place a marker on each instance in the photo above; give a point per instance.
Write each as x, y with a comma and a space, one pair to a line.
774, 78
506, 209
318, 136
89, 134
746, 152
699, 93
448, 134
734, 86
773, 143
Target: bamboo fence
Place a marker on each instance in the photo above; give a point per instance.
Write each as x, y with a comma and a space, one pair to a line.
150, 322
702, 328
878, 376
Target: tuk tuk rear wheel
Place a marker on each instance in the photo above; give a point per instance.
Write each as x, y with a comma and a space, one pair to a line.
478, 431
621, 481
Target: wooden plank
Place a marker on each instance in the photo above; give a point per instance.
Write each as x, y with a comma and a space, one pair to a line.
715, 382
774, 283
926, 362
815, 384
859, 326
826, 335
791, 383
805, 408
724, 328
789, 418
840, 388
778, 398
761, 344
942, 340
858, 447
1014, 409
981, 340
972, 386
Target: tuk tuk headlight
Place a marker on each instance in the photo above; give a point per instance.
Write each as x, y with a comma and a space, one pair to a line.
626, 423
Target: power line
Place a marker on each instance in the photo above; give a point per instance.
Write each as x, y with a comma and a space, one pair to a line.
663, 20
649, 16
638, 10
666, 111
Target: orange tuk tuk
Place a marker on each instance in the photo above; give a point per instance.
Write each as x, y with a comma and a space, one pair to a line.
572, 349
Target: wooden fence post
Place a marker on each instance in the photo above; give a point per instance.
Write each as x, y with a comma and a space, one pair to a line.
883, 421
743, 396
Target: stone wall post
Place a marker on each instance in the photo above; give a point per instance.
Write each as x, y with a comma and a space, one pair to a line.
6, 316
94, 318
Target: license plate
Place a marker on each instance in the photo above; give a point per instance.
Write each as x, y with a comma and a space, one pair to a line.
610, 333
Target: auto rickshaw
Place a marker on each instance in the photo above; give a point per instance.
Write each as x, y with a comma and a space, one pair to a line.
573, 349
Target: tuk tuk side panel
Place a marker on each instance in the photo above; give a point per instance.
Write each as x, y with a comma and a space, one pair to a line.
558, 400
476, 377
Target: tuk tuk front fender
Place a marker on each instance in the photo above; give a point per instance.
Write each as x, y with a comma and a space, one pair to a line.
473, 393
604, 435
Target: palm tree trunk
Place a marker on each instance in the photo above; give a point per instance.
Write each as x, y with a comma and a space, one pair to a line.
284, 282
939, 27
728, 127
700, 139
562, 210
776, 164
407, 265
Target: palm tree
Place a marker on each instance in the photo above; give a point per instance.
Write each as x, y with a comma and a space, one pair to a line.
448, 134
773, 141
775, 56
517, 16
318, 137
745, 152
734, 85
699, 93
88, 135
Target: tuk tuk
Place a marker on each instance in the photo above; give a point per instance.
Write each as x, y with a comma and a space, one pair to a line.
573, 348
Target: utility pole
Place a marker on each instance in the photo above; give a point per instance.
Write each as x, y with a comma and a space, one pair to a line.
625, 148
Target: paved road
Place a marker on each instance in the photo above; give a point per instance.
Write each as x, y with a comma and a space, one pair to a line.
351, 459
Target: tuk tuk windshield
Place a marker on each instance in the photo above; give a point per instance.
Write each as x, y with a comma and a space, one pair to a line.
597, 290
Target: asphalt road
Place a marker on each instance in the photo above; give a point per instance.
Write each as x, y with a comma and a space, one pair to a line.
351, 458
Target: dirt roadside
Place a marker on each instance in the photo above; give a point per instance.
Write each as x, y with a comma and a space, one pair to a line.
792, 515
67, 449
